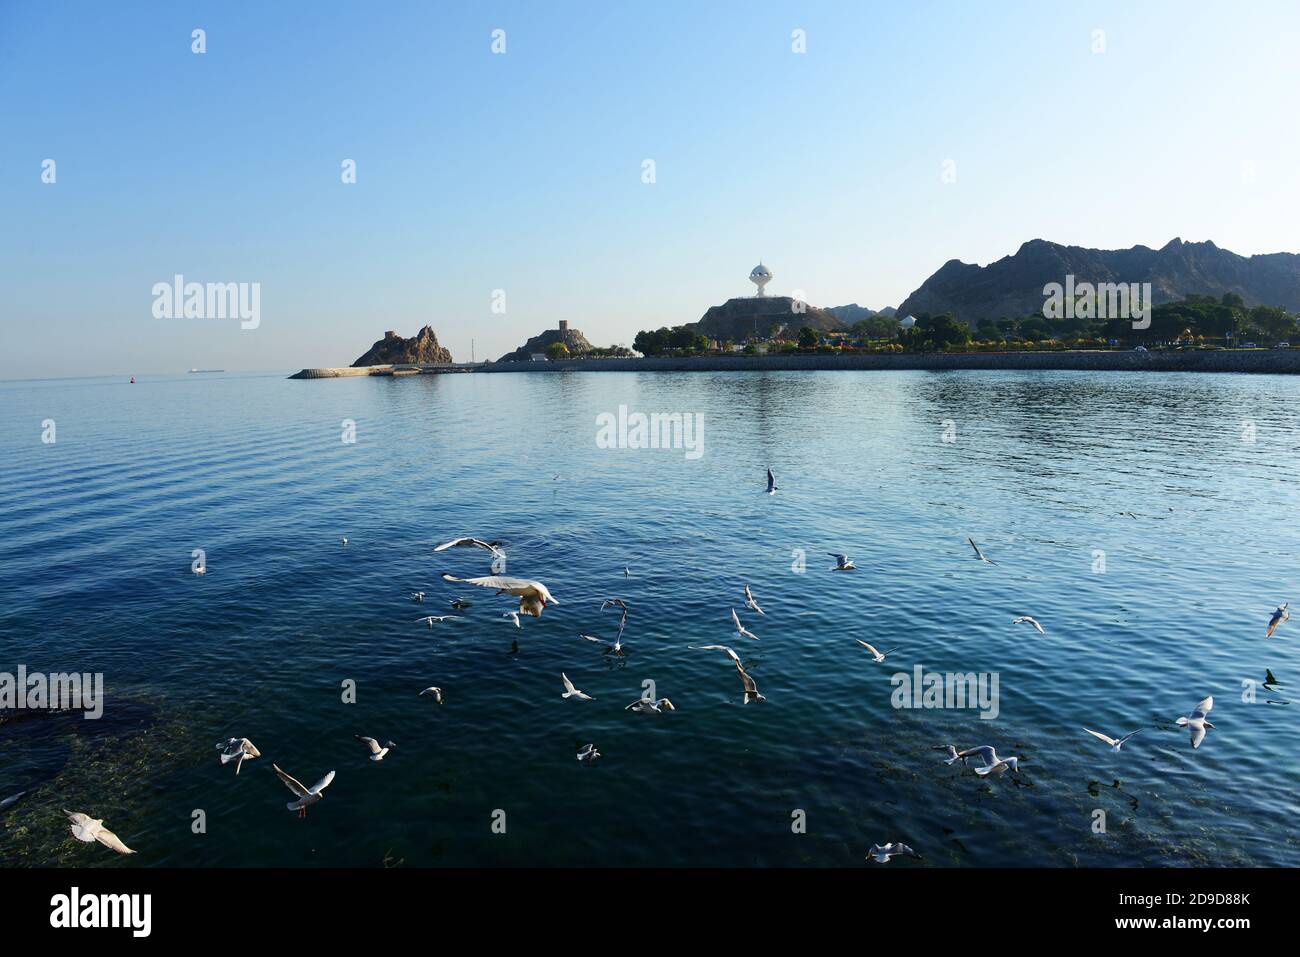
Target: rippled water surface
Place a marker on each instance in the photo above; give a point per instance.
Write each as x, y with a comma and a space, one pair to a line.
97, 529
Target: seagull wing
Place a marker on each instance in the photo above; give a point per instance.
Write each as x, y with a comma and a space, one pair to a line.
867, 646
292, 783
370, 743
109, 839
1197, 728
749, 600
1105, 737
322, 784
568, 685
771, 480
1121, 741
746, 680
730, 654
515, 586
736, 620
1203, 707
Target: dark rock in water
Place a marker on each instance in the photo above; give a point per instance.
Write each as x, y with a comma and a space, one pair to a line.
421, 349
574, 340
1013, 286
750, 317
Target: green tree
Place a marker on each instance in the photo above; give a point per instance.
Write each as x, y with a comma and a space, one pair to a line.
808, 338
557, 350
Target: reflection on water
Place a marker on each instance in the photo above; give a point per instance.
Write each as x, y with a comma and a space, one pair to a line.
1142, 518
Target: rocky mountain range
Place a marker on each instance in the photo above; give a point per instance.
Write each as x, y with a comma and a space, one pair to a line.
1013, 286
854, 313
423, 347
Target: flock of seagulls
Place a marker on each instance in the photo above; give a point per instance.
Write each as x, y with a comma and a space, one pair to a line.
534, 597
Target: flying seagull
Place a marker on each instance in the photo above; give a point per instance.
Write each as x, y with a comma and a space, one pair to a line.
430, 619
876, 656
345, 541
533, 595
436, 692
417, 596
1115, 743
461, 603
771, 483
730, 654
751, 689
512, 616
1032, 621
587, 754
842, 562
237, 750
306, 796
883, 854
1197, 722
616, 646
741, 630
979, 554
88, 830
985, 752
571, 692
650, 706
492, 547
1279, 616
377, 752
749, 601
998, 767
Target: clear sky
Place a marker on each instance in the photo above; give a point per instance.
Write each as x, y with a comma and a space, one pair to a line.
523, 171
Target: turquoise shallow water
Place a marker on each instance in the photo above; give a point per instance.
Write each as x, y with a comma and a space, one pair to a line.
96, 533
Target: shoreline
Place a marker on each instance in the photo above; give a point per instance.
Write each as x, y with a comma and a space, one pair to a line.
1258, 361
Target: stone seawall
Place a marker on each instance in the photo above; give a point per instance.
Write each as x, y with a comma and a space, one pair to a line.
1275, 361
1259, 361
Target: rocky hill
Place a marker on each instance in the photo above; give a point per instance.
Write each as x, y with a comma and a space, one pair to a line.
1013, 286
756, 316
854, 313
572, 338
393, 349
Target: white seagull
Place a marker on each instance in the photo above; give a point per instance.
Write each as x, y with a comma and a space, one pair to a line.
876, 656
842, 562
998, 767
1279, 615
377, 751
512, 616
467, 542
650, 706
417, 596
533, 595
985, 752
1033, 621
436, 692
1115, 743
771, 483
1197, 722
979, 554
345, 541
741, 630
749, 601
237, 750
571, 692
430, 619
588, 753
883, 854
88, 830
306, 796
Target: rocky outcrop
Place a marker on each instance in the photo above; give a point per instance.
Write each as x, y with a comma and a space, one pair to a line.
575, 341
755, 317
854, 313
1012, 287
422, 348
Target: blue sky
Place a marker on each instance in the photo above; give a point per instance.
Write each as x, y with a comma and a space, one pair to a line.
523, 171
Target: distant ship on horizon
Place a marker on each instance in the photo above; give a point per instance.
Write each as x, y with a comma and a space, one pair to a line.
207, 370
